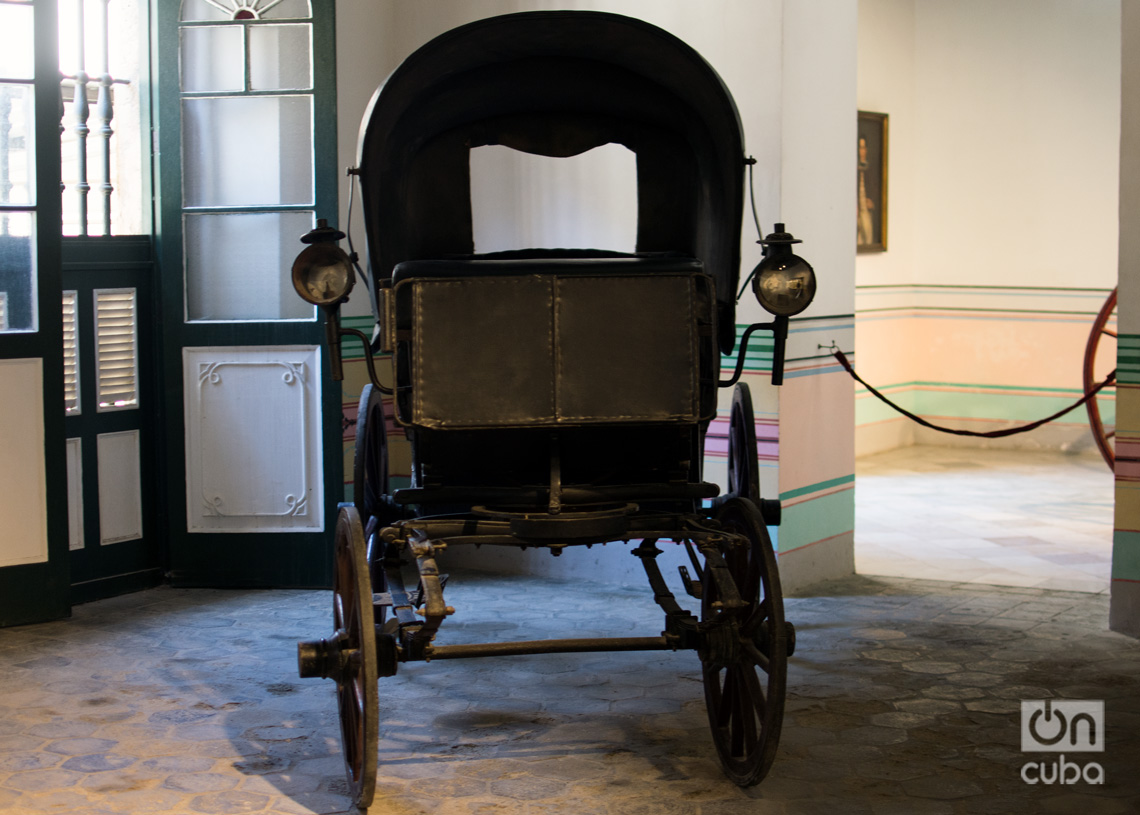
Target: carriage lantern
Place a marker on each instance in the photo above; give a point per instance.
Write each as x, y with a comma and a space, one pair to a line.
783, 282
322, 273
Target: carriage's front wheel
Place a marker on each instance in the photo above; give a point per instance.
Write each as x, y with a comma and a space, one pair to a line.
743, 467
745, 658
357, 694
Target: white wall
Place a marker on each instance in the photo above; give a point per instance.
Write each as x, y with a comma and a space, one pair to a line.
1004, 143
886, 84
1005, 124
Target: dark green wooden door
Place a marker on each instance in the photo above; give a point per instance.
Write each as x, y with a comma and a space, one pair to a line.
33, 507
246, 163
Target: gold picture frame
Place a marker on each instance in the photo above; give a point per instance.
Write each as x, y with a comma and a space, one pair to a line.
871, 182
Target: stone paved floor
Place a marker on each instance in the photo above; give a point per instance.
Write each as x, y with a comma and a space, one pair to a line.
1032, 518
904, 699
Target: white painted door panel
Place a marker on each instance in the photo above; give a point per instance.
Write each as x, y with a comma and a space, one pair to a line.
23, 485
253, 439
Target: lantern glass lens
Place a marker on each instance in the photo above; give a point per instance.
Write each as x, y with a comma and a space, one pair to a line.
322, 274
784, 285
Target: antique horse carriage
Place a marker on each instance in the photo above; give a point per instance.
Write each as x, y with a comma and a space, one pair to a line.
556, 397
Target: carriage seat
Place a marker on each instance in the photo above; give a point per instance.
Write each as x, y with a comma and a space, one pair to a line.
544, 339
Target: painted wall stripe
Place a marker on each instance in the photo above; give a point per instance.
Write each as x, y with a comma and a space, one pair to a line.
1125, 555
818, 487
816, 520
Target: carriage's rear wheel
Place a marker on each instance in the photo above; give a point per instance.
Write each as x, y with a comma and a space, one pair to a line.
745, 659
743, 467
370, 482
370, 463
357, 694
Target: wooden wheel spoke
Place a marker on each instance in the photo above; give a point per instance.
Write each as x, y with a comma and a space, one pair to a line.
745, 738
741, 716
759, 658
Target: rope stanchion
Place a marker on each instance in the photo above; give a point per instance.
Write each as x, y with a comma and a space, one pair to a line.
991, 434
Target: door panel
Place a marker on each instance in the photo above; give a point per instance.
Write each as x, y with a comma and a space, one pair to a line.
23, 485
112, 472
33, 499
240, 402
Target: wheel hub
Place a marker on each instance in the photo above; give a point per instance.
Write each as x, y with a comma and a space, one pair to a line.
324, 659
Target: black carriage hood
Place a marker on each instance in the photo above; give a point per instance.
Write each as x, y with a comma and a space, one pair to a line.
556, 83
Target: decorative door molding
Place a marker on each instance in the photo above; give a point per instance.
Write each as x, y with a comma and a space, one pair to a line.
254, 461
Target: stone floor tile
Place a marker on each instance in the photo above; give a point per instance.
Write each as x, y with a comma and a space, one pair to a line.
19, 762
200, 782
98, 762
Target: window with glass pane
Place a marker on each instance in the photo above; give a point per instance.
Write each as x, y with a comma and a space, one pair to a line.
18, 270
101, 59
246, 75
17, 171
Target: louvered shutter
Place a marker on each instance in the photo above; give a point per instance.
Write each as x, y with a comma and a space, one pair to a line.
116, 349
70, 355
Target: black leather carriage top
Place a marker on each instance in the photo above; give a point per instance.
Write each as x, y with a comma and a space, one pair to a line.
557, 84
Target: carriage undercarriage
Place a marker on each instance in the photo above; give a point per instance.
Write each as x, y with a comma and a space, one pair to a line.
738, 631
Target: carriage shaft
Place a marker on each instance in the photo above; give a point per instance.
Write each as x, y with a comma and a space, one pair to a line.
564, 646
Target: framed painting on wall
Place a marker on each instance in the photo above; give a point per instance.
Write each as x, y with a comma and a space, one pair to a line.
871, 201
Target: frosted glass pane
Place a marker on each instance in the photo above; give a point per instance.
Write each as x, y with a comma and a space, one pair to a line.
280, 57
17, 271
201, 10
15, 144
238, 265
17, 60
194, 10
286, 9
213, 59
247, 151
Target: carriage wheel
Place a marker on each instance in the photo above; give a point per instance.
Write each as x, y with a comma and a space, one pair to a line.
1102, 437
370, 463
745, 659
356, 691
371, 487
743, 468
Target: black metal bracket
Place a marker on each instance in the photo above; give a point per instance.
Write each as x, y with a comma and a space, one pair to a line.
779, 329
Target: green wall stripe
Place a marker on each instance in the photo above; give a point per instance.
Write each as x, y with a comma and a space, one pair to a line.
820, 487
1128, 359
760, 349
957, 311
815, 520
921, 383
1125, 555
985, 289
350, 347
